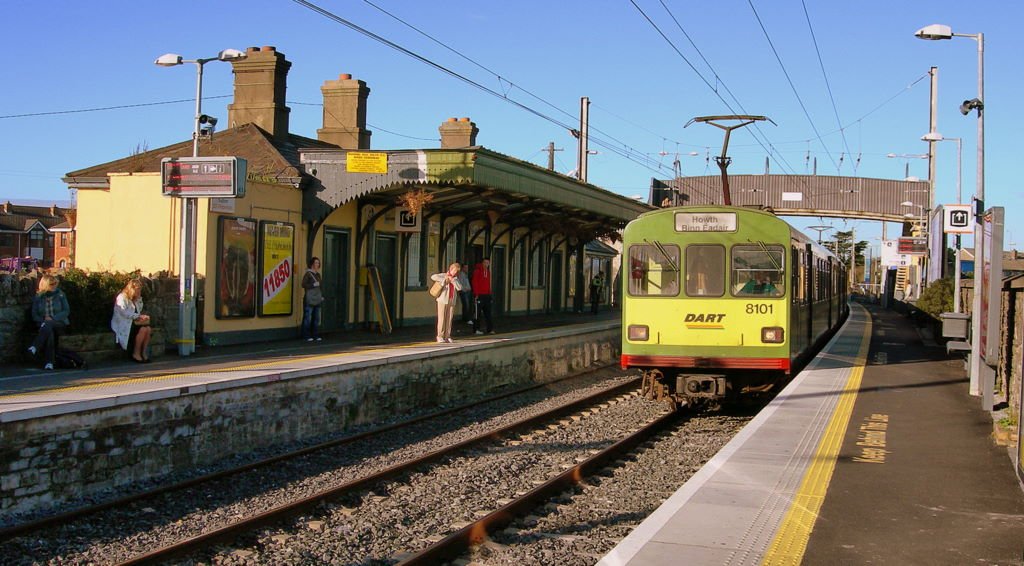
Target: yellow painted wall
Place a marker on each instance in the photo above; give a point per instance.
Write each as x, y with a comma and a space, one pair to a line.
130, 226
261, 202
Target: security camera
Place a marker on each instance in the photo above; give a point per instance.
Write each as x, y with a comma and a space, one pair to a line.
208, 121
971, 104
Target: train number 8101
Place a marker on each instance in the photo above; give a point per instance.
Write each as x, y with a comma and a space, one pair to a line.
762, 308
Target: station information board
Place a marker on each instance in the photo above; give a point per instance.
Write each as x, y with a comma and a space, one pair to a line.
212, 177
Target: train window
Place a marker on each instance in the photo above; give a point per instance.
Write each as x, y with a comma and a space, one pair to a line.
653, 269
758, 271
705, 271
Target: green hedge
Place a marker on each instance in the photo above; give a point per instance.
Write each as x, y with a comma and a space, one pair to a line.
91, 297
937, 297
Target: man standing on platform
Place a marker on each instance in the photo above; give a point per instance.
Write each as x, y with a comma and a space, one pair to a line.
596, 286
481, 284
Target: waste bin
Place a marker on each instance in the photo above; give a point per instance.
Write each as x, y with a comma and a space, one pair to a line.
955, 324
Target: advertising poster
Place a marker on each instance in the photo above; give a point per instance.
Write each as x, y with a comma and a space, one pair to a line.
276, 267
236, 269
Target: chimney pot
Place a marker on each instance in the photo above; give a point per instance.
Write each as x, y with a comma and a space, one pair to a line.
458, 133
344, 113
260, 90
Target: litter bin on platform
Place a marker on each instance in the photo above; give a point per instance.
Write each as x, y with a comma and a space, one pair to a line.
955, 324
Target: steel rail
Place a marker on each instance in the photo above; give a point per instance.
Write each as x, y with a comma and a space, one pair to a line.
277, 514
461, 541
74, 514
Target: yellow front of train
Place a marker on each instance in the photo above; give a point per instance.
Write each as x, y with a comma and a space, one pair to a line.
706, 300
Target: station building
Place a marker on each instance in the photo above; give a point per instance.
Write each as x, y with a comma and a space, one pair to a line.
381, 221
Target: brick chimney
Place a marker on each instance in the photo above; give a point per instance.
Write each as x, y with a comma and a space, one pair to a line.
260, 82
345, 113
458, 132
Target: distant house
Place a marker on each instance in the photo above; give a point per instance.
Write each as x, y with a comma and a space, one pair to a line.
44, 233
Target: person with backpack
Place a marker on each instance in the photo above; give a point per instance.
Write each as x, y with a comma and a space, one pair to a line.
50, 311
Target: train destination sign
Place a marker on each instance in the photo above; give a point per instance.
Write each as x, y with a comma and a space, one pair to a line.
215, 177
705, 222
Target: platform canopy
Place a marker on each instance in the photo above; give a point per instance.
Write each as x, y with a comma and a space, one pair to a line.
473, 182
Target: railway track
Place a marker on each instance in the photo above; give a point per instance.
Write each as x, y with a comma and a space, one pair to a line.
32, 540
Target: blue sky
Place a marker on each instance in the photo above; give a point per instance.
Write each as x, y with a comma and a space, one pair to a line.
65, 56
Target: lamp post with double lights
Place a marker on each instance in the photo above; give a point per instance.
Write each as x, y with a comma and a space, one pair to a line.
907, 157
939, 32
187, 255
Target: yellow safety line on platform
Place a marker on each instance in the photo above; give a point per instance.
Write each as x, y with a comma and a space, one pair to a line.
790, 542
126, 380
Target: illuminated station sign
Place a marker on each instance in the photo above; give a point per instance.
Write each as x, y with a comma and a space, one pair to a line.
211, 177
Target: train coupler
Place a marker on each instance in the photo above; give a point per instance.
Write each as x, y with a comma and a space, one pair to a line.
705, 386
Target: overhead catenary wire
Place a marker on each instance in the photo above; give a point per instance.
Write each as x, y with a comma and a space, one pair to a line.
628, 153
502, 80
824, 74
779, 159
792, 86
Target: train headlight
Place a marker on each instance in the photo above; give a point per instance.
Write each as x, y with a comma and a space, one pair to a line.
638, 332
772, 334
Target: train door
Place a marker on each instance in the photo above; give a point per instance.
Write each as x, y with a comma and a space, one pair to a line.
335, 275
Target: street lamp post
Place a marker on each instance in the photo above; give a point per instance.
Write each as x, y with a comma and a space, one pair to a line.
937, 32
906, 163
187, 255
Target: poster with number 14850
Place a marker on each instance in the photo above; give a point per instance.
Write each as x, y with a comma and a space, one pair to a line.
276, 244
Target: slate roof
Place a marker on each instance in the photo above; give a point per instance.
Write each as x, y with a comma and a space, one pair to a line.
267, 157
21, 218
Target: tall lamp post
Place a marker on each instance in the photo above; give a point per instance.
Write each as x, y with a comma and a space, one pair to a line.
937, 32
187, 255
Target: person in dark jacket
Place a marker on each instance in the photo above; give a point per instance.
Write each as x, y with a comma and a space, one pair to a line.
481, 283
312, 300
50, 311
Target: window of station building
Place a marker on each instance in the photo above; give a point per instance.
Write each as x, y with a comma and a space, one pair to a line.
705, 270
537, 263
519, 264
36, 238
653, 270
758, 271
64, 239
6, 240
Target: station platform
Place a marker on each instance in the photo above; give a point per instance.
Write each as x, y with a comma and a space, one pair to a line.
26, 391
874, 454
69, 437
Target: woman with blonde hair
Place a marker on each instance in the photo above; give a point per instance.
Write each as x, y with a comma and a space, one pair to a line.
131, 327
450, 288
50, 309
